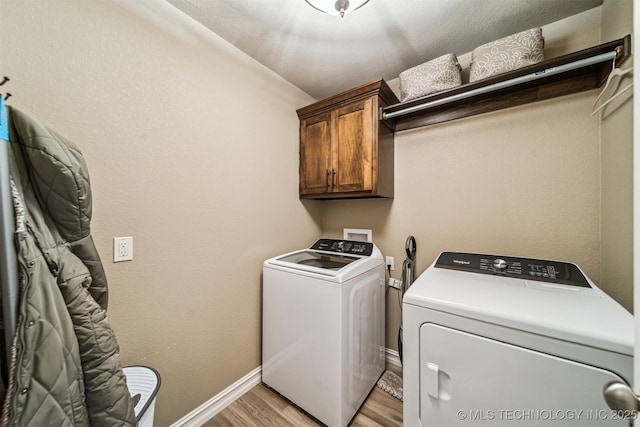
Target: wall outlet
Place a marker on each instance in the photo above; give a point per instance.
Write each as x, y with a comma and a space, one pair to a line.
390, 263
122, 249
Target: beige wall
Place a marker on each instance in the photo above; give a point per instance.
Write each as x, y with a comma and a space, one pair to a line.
519, 183
192, 149
617, 169
524, 181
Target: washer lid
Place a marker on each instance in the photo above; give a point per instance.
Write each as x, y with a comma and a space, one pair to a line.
330, 259
325, 261
583, 315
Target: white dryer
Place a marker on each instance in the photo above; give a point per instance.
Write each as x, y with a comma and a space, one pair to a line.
323, 327
495, 340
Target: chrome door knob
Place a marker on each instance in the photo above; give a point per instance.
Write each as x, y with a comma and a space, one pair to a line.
620, 397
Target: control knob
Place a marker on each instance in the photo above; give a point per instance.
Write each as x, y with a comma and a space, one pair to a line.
499, 264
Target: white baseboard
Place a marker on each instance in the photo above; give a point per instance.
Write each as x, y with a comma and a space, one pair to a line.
226, 397
392, 357
217, 403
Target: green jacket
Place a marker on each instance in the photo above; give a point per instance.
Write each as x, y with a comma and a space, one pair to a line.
65, 368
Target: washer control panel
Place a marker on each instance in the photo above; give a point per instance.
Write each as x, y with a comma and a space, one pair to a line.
344, 246
525, 268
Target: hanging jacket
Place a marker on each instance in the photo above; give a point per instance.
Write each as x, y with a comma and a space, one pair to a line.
65, 368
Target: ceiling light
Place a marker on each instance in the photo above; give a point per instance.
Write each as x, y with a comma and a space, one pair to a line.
337, 7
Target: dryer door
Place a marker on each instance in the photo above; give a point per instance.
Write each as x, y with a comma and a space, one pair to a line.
467, 379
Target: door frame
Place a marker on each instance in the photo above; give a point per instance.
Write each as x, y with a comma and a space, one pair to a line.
636, 200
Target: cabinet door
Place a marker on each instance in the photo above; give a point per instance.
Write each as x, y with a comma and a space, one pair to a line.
353, 141
315, 154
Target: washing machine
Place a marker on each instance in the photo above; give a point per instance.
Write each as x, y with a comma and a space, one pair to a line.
497, 340
323, 317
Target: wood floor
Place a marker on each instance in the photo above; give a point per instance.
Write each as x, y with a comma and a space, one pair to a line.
263, 407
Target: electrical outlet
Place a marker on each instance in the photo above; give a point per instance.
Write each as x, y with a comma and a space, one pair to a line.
122, 249
390, 263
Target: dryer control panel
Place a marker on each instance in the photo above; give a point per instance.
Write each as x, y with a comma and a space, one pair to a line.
539, 270
352, 247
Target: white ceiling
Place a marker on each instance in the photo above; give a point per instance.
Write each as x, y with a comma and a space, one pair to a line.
324, 55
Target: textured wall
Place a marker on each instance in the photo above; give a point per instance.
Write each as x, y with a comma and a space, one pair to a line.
192, 149
617, 167
523, 181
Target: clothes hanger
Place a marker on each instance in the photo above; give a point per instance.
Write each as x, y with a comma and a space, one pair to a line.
615, 72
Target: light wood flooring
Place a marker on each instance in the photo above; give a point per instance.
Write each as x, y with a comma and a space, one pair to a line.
263, 407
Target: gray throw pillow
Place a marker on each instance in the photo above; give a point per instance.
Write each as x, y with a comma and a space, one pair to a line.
507, 54
432, 76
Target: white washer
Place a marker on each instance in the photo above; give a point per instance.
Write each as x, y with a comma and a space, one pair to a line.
494, 340
323, 327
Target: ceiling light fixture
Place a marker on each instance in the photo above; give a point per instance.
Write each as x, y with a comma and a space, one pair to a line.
337, 7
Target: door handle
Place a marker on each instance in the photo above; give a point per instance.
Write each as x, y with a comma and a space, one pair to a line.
621, 398
327, 178
333, 178
433, 386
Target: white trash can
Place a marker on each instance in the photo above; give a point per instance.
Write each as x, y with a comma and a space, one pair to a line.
143, 383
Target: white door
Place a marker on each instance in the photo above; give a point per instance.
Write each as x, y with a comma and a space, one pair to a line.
636, 213
456, 390
636, 197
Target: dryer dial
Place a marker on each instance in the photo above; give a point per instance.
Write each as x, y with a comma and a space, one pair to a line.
499, 264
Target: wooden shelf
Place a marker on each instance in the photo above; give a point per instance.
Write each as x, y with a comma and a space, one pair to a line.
545, 86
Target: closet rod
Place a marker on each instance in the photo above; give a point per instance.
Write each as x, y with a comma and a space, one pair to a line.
607, 56
8, 258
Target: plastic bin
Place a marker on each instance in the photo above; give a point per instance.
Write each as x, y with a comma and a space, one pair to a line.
143, 383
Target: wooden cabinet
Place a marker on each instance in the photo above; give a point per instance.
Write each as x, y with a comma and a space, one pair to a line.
345, 150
